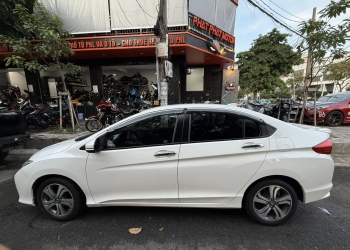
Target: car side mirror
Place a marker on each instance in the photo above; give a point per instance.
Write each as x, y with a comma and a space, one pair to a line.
96, 145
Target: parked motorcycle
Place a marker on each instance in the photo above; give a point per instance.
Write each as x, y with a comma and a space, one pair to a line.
42, 118
74, 78
254, 105
108, 114
281, 111
108, 80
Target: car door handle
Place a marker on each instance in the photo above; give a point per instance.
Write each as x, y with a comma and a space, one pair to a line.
252, 145
164, 153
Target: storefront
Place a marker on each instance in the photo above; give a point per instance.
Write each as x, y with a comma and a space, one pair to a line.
201, 51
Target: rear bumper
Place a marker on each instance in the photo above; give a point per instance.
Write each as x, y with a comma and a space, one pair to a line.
318, 184
6, 143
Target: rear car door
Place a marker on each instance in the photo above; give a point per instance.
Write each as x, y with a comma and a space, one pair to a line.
219, 154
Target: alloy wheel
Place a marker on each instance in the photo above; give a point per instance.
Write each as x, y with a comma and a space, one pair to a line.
335, 119
272, 203
57, 200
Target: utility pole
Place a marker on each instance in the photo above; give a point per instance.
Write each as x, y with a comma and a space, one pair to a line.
163, 36
307, 73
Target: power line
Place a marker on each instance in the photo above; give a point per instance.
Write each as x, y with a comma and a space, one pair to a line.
144, 10
287, 11
279, 13
276, 20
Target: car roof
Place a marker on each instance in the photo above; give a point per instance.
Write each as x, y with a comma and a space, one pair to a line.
339, 93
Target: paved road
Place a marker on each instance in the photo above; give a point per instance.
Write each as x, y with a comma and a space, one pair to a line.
24, 227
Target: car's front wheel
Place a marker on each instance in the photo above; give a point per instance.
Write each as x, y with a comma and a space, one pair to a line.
59, 198
271, 202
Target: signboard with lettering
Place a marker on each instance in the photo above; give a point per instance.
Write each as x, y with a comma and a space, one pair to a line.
205, 28
113, 42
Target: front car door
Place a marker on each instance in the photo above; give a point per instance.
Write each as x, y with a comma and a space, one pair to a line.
220, 155
137, 164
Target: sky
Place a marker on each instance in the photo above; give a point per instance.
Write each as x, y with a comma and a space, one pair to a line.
251, 22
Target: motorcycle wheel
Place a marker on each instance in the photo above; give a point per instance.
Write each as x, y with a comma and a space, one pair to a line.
93, 125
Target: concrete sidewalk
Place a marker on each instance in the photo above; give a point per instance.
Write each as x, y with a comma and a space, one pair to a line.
340, 137
341, 145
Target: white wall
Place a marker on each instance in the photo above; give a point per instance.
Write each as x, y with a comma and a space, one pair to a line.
18, 79
195, 81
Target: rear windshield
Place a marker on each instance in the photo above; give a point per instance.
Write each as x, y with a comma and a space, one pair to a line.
334, 98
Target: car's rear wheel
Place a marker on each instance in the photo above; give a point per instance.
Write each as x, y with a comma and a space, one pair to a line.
334, 118
59, 198
271, 202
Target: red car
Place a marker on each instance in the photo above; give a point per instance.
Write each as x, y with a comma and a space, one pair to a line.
332, 109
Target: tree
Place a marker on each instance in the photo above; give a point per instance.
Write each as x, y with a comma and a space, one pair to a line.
40, 42
339, 73
321, 39
296, 81
269, 57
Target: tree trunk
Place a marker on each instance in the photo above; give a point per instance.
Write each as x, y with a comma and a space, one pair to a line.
255, 95
301, 119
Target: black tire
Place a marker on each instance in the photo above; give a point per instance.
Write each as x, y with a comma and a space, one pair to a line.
89, 126
3, 155
71, 193
334, 118
283, 211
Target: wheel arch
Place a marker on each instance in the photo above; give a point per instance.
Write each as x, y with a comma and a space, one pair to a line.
294, 183
339, 110
38, 181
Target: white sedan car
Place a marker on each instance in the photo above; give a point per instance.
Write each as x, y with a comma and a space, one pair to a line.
194, 155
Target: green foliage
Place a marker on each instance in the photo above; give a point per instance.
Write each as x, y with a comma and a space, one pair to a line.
323, 38
269, 57
43, 42
340, 73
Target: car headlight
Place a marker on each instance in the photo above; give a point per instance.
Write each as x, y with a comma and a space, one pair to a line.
26, 163
323, 107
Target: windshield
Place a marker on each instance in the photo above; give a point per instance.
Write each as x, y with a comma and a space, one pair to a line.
334, 98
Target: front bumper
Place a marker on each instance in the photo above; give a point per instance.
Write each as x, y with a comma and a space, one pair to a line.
24, 186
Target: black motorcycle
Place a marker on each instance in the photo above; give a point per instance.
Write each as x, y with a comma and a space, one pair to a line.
256, 106
74, 78
281, 111
108, 80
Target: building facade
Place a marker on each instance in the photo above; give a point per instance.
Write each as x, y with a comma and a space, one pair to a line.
117, 38
321, 80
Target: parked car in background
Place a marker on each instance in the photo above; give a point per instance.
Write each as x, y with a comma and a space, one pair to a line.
193, 155
332, 109
13, 127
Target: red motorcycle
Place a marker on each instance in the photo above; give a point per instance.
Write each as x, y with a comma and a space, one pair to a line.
108, 114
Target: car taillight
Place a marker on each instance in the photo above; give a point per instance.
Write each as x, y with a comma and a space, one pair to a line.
324, 147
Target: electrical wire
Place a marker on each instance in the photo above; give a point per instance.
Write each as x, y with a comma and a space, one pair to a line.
144, 10
287, 11
274, 18
278, 13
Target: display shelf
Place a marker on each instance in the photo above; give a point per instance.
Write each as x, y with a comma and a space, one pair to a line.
77, 84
